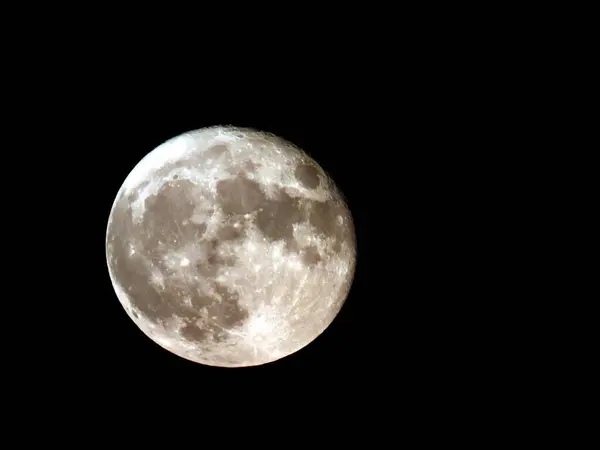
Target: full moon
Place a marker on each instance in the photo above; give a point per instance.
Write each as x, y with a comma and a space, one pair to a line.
230, 247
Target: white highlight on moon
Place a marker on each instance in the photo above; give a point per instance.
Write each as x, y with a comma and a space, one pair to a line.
224, 253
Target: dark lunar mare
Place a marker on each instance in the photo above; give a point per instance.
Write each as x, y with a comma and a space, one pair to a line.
163, 226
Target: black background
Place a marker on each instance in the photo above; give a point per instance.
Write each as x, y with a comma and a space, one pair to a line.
367, 146
381, 140
414, 115
379, 119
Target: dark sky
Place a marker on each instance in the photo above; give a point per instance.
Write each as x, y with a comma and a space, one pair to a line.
375, 138
413, 116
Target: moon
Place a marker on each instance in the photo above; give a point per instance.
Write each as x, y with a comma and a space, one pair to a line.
230, 247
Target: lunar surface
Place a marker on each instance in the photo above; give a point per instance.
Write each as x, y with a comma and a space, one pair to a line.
230, 247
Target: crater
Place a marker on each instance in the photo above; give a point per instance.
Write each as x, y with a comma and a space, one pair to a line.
307, 175
239, 195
